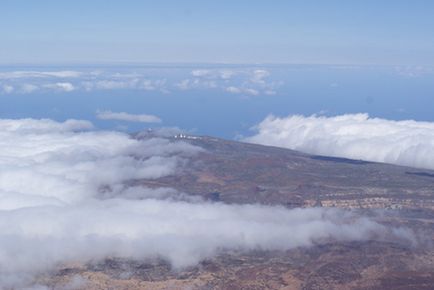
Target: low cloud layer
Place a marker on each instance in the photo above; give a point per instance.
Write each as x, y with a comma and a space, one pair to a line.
39, 74
64, 198
355, 136
246, 81
122, 116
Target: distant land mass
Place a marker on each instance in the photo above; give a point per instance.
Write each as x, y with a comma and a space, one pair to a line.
241, 173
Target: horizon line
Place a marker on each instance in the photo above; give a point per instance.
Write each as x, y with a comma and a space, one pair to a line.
182, 63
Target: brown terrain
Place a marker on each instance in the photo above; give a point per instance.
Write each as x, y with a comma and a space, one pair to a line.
234, 172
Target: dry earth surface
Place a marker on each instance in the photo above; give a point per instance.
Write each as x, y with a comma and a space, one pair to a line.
234, 172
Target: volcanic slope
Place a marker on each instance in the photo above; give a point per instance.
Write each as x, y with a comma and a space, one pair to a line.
240, 173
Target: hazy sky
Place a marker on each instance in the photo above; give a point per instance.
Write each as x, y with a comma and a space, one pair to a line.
357, 32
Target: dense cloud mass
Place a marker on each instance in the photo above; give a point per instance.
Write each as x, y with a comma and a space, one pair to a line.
64, 198
355, 136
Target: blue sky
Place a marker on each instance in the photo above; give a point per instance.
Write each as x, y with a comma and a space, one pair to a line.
342, 32
215, 67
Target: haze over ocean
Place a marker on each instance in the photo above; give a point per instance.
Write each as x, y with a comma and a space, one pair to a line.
215, 68
219, 100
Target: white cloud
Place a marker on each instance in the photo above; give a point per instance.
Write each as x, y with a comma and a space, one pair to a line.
251, 81
60, 86
247, 91
233, 90
259, 75
200, 72
188, 84
64, 197
227, 74
252, 92
151, 85
125, 83
28, 88
184, 84
39, 74
43, 125
110, 84
253, 75
7, 89
224, 74
122, 116
31, 81
128, 75
353, 136
244, 81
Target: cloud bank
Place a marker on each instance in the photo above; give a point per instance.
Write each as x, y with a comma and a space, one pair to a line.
65, 197
39, 74
246, 81
122, 116
355, 136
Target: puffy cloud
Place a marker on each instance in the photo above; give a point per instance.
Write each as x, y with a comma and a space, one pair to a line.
247, 91
184, 84
188, 84
125, 83
109, 84
355, 136
65, 196
200, 72
151, 85
60, 86
244, 81
122, 116
259, 75
227, 74
233, 90
224, 74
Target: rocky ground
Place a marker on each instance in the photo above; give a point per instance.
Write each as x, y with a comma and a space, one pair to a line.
233, 172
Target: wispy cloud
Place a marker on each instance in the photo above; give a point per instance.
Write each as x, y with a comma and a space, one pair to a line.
354, 136
122, 116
